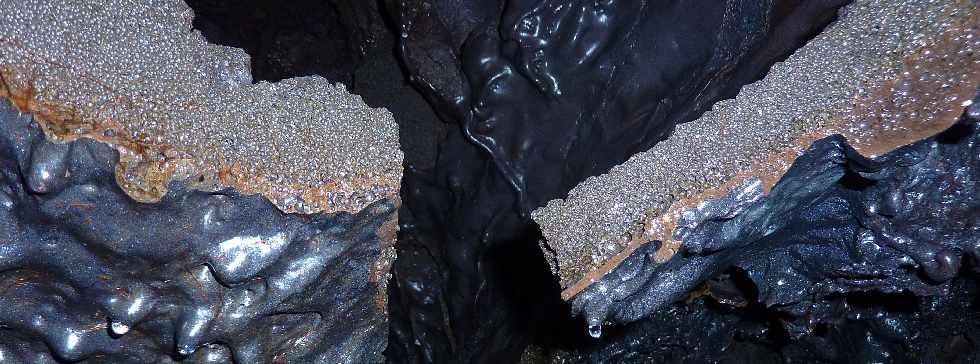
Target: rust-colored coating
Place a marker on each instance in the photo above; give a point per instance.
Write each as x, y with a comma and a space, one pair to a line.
924, 94
137, 76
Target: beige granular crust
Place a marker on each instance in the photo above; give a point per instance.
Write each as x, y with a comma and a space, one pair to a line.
135, 74
887, 74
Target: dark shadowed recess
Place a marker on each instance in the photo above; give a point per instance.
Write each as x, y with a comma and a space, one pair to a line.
846, 259
504, 105
857, 327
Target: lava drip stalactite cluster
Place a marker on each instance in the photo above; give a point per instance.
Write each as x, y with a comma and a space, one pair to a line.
201, 276
835, 224
546, 94
137, 75
123, 242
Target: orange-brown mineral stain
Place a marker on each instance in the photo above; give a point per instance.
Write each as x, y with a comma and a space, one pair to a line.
145, 170
379, 272
927, 97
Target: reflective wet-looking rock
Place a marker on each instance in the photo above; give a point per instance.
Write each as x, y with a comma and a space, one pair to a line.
90, 274
880, 81
501, 106
772, 188
137, 75
145, 180
842, 248
544, 94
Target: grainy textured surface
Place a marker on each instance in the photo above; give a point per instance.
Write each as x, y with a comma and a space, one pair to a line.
605, 217
87, 273
135, 74
849, 259
539, 95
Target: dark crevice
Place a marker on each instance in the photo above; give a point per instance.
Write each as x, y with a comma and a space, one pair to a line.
493, 125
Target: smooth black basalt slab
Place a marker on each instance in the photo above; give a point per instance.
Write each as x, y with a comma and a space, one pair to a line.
88, 274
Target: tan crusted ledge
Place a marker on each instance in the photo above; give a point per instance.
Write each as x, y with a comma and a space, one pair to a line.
888, 73
135, 74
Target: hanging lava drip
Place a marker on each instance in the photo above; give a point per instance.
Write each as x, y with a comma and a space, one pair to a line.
115, 249
523, 100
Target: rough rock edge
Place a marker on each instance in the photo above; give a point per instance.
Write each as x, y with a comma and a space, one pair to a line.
89, 273
836, 223
72, 103
607, 217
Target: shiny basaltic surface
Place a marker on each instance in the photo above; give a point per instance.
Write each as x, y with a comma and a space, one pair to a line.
888, 73
845, 259
534, 96
590, 83
136, 74
539, 96
90, 274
